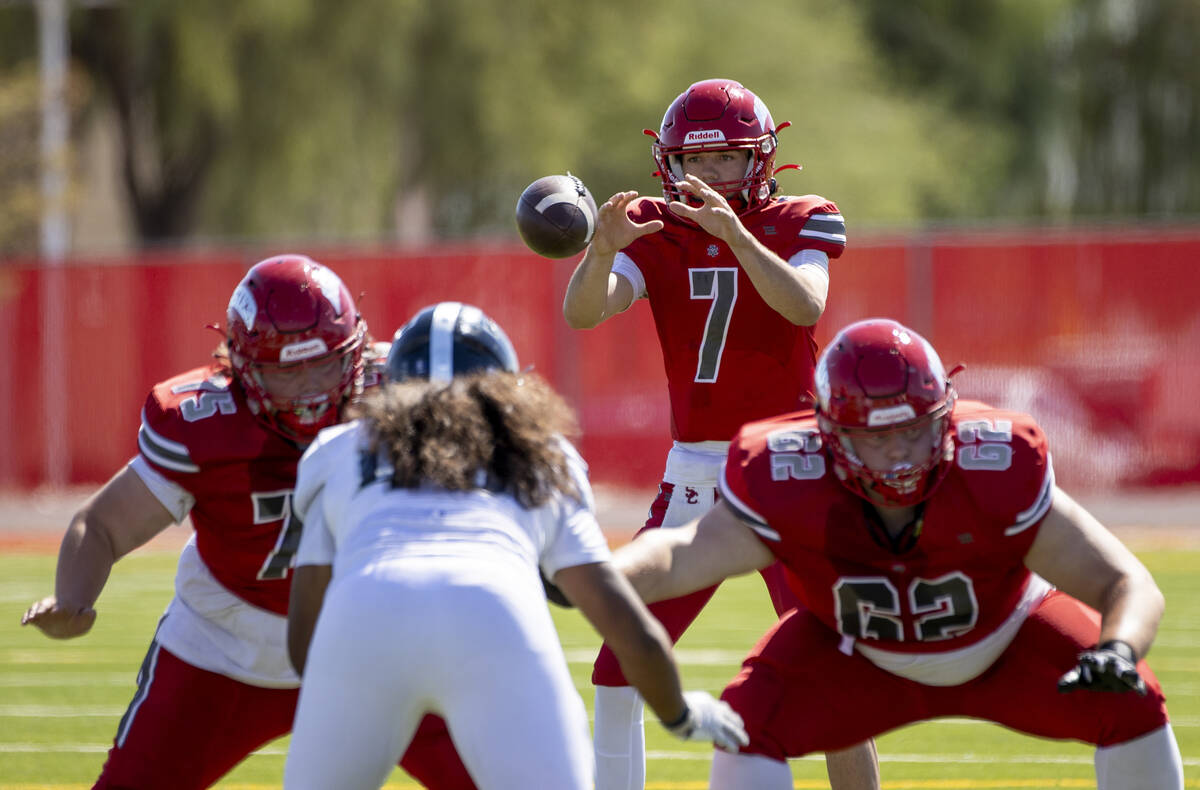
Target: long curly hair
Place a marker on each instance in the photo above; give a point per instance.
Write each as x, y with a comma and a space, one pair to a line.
505, 425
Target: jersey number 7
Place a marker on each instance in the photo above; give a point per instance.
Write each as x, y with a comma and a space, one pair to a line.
275, 506
719, 285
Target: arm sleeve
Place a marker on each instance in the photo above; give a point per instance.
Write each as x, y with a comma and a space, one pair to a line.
627, 268
174, 497
814, 259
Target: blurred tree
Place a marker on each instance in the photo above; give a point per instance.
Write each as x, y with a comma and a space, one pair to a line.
20, 131
19, 156
1125, 135
315, 119
1100, 98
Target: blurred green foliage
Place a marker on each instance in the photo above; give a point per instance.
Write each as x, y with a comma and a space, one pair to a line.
418, 120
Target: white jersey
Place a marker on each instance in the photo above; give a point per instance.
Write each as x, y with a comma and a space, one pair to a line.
435, 606
350, 522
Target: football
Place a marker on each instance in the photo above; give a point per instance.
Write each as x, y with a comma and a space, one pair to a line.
556, 216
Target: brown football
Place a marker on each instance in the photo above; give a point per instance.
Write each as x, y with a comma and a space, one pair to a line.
556, 216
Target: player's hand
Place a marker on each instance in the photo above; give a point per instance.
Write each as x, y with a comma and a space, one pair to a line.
716, 215
710, 719
1110, 667
615, 229
58, 622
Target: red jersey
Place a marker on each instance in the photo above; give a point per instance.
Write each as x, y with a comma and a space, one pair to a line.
729, 358
961, 578
198, 432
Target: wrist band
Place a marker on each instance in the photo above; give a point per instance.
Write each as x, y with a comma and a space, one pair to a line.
1122, 649
679, 722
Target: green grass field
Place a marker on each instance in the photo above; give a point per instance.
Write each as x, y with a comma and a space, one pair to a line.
60, 701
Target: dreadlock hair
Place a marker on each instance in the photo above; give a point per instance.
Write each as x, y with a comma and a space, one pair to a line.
506, 425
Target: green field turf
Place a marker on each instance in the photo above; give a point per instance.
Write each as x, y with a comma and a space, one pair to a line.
60, 701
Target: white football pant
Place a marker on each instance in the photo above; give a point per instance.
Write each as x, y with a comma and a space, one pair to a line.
465, 638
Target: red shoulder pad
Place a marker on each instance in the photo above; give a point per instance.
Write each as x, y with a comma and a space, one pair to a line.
768, 464
807, 222
1004, 459
193, 418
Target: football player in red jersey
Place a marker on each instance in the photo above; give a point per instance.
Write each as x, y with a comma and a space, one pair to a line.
736, 278
221, 443
941, 570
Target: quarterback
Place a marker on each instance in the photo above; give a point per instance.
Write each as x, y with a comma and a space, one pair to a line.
736, 278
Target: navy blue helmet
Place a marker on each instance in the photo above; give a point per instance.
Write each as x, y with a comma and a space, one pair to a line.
449, 339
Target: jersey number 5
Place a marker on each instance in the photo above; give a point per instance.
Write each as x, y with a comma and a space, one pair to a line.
212, 396
719, 285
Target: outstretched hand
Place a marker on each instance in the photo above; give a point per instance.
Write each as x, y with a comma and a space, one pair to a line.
716, 215
58, 622
615, 229
1109, 667
710, 719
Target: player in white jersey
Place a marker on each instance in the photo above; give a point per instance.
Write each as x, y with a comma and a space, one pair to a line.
426, 523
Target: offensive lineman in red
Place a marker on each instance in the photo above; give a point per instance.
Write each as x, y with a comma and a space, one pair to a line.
736, 277
221, 443
942, 573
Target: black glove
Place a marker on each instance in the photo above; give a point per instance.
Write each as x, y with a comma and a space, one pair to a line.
555, 595
1110, 667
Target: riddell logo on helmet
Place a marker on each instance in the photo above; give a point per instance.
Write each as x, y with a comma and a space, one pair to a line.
704, 136
306, 349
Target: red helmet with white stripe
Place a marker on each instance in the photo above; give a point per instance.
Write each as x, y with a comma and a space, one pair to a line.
295, 343
719, 115
874, 379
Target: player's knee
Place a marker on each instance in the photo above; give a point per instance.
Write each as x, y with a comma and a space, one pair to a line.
757, 710
1127, 716
1131, 716
607, 671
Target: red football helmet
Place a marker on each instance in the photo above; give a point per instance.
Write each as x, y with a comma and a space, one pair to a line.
291, 321
878, 377
718, 115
